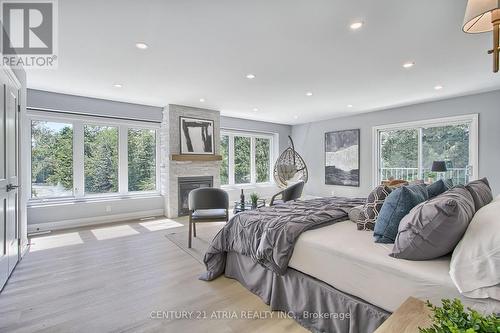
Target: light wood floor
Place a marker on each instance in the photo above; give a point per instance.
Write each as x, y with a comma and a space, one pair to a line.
111, 278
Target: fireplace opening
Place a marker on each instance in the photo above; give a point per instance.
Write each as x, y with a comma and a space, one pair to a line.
186, 185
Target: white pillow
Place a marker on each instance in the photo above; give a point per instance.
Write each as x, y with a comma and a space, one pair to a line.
475, 263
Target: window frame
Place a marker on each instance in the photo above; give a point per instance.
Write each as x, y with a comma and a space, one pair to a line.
472, 119
78, 121
231, 133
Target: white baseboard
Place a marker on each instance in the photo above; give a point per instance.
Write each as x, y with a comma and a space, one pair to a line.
88, 221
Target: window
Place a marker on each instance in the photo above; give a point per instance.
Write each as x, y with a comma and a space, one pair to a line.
246, 157
242, 157
406, 151
51, 159
262, 159
141, 160
224, 168
101, 159
76, 156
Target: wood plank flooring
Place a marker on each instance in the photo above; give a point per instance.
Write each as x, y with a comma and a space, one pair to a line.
112, 278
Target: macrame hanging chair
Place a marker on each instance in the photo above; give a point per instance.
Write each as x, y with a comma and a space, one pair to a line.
290, 167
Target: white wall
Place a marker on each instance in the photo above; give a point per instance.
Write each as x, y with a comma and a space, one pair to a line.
309, 138
76, 214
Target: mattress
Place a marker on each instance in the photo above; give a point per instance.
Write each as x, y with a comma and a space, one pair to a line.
349, 260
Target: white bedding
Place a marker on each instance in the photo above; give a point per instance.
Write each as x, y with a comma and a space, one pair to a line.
352, 262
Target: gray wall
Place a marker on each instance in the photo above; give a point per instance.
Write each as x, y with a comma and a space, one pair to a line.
309, 138
46, 217
92, 106
42, 217
253, 125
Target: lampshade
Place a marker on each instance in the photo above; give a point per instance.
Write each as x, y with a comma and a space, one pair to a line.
439, 166
478, 15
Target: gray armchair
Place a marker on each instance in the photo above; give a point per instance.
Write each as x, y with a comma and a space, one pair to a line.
207, 204
292, 192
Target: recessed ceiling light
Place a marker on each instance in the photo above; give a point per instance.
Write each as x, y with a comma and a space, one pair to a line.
409, 64
309, 94
295, 117
202, 100
255, 109
356, 25
141, 46
250, 76
438, 87
117, 85
349, 105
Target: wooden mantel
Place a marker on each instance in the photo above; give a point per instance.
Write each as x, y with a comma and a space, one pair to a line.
197, 158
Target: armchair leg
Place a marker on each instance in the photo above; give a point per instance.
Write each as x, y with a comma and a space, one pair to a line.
194, 229
190, 231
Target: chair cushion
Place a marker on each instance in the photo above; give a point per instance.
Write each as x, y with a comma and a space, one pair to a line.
397, 204
209, 214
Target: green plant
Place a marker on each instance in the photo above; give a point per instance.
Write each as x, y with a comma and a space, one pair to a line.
254, 198
452, 318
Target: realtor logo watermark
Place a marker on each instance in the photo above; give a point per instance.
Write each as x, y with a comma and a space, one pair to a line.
29, 37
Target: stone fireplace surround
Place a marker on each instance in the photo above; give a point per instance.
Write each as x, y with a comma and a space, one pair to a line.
170, 144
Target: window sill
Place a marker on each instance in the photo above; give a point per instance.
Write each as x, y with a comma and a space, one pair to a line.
90, 199
248, 186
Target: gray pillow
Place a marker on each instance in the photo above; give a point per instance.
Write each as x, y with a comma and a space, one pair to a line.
481, 192
371, 208
433, 228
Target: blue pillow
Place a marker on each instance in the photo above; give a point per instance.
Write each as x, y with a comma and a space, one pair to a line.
396, 206
436, 188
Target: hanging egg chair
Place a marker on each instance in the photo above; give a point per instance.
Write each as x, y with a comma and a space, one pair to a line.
290, 168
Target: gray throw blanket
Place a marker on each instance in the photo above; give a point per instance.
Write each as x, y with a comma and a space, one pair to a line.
268, 235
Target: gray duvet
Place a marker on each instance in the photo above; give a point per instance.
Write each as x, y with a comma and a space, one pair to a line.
268, 235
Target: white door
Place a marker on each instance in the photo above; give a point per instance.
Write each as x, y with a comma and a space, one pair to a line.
9, 197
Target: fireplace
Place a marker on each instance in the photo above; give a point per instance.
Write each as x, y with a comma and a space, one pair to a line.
186, 185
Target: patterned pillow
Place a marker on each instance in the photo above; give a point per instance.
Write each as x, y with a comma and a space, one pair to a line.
448, 183
374, 202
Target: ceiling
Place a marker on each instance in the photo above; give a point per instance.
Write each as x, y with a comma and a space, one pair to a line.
204, 49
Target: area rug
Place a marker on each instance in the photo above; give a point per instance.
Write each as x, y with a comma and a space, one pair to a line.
205, 232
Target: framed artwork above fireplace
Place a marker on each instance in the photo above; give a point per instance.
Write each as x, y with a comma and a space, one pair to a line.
196, 136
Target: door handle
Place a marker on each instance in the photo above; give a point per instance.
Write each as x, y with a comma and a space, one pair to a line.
11, 187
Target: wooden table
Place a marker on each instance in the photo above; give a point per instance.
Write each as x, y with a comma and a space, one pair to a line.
411, 315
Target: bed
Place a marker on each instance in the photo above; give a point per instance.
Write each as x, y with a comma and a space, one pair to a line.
305, 259
361, 267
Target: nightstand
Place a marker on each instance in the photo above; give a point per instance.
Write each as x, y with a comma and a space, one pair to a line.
411, 315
